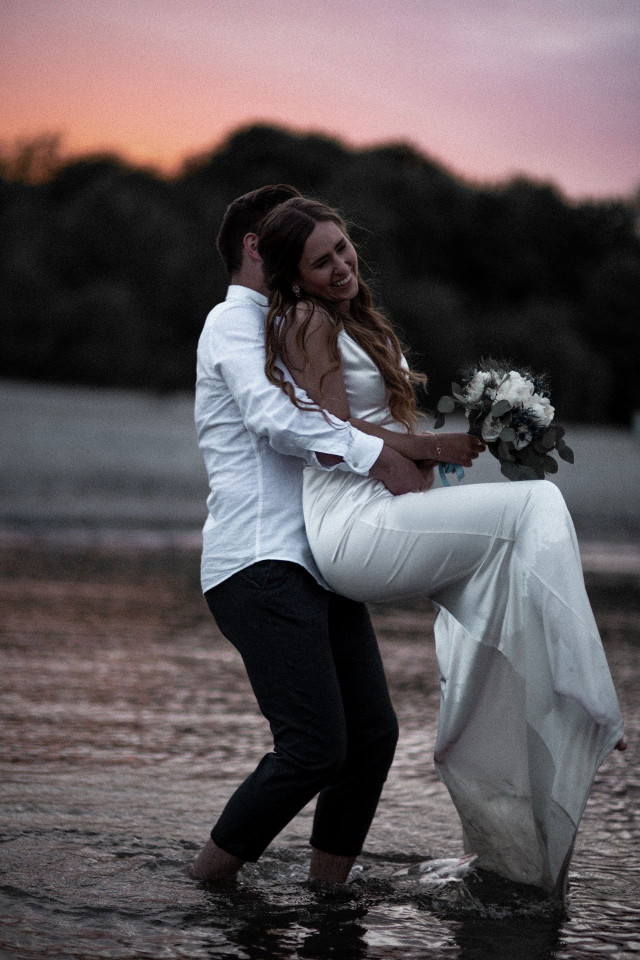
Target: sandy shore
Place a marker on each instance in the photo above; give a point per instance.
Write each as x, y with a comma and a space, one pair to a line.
75, 459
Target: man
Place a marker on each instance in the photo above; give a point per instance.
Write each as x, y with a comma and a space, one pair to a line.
311, 655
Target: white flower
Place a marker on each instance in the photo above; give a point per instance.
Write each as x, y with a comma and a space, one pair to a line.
541, 410
523, 437
491, 429
516, 389
477, 386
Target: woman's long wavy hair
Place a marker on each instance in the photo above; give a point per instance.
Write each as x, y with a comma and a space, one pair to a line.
282, 237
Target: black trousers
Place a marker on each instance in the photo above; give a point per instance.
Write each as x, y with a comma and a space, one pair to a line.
315, 668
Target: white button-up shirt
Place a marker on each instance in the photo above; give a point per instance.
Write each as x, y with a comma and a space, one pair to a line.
245, 424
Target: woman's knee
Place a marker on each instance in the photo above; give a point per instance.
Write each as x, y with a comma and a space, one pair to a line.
547, 503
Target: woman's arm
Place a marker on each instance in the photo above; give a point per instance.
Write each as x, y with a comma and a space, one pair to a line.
311, 363
459, 448
316, 371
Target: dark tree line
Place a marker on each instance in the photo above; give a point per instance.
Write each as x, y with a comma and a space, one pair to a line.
107, 271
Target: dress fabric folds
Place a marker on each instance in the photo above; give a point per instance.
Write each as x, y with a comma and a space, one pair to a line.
528, 708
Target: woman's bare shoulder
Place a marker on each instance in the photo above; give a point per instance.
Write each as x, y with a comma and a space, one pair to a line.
312, 318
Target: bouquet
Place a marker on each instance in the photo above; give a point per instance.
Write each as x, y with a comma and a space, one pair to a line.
511, 411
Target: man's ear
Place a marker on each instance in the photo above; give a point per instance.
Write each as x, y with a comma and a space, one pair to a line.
250, 244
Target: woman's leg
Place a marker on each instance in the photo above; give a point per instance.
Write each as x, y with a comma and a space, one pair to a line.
528, 707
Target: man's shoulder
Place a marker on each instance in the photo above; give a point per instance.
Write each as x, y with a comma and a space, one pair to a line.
233, 326
234, 310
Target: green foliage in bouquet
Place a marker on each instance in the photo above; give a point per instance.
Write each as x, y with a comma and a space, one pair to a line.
511, 411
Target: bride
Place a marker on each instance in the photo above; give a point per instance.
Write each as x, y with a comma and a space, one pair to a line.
528, 710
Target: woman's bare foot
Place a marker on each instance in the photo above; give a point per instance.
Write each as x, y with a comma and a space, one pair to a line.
212, 863
621, 744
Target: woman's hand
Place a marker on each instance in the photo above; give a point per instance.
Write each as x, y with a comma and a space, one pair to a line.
461, 448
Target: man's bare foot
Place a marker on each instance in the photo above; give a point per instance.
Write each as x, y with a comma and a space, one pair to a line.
329, 866
621, 744
212, 863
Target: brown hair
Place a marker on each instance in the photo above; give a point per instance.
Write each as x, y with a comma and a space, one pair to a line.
282, 237
244, 215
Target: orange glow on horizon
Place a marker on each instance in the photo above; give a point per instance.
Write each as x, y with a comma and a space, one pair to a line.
489, 92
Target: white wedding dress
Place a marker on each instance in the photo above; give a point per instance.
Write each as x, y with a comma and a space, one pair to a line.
528, 709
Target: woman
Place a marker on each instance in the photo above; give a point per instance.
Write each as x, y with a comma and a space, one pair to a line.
528, 709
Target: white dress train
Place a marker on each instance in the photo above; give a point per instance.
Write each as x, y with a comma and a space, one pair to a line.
528, 709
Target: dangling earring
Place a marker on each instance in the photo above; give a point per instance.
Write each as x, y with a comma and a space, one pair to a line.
296, 290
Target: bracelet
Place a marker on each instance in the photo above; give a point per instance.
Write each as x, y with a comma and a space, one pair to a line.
438, 450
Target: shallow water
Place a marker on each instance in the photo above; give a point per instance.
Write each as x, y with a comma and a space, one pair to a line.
127, 720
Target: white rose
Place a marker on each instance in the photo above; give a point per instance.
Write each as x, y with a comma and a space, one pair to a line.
516, 389
542, 411
477, 385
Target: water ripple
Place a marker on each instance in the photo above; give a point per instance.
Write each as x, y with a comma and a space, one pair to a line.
127, 721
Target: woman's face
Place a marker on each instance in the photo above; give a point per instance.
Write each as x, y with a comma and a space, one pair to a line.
329, 265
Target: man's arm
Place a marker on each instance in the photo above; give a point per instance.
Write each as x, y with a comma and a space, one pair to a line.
398, 474
232, 346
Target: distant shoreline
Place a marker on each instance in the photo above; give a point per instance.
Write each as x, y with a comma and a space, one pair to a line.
93, 465
598, 558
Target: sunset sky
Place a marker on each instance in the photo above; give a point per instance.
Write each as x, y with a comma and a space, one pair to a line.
490, 88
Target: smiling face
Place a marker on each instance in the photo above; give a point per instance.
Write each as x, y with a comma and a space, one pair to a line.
329, 265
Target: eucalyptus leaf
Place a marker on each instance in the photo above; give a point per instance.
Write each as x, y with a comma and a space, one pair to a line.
528, 473
505, 451
510, 470
456, 388
508, 434
550, 465
500, 408
538, 447
566, 453
446, 404
439, 421
549, 439
531, 456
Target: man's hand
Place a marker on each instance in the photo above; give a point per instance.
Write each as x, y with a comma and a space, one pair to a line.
427, 469
398, 474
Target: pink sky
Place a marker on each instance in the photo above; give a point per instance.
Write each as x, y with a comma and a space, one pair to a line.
490, 88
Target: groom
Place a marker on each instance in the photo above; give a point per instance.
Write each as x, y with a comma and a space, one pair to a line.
311, 655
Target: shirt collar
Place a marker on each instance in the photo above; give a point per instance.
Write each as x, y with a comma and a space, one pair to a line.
237, 292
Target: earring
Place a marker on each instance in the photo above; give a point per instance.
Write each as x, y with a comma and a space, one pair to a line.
296, 290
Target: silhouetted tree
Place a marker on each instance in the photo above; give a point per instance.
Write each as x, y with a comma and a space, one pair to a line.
107, 271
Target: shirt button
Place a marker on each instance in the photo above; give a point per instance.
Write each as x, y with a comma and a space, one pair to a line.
356, 463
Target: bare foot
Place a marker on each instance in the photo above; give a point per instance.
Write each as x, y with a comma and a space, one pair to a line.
621, 744
331, 867
212, 863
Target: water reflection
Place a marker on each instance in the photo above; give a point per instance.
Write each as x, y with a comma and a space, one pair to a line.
531, 939
126, 723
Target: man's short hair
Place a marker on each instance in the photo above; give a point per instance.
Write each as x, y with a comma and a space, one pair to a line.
244, 215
